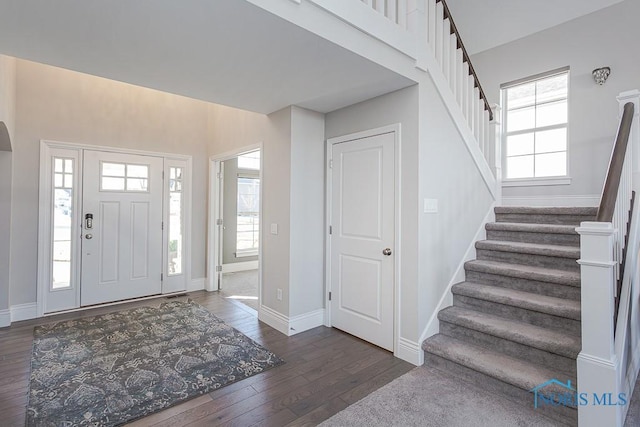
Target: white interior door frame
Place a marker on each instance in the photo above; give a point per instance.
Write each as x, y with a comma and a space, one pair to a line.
47, 151
396, 130
214, 236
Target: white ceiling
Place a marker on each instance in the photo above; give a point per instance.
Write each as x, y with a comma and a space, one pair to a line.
224, 51
485, 24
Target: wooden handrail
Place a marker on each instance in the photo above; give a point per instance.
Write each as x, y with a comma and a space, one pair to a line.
610, 189
465, 56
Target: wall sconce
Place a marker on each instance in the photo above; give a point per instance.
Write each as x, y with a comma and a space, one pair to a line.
600, 75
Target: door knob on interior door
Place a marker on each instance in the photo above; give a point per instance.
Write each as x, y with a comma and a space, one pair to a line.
88, 236
386, 251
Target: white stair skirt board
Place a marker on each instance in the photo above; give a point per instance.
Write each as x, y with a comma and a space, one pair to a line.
240, 266
196, 285
577, 200
5, 318
24, 311
291, 325
410, 351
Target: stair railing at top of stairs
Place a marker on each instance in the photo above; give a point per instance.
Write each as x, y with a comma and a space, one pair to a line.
608, 363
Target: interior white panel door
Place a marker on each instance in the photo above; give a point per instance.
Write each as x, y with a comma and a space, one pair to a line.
363, 238
121, 227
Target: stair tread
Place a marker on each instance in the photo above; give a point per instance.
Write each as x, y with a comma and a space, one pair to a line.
547, 210
531, 228
530, 248
542, 274
541, 303
523, 333
511, 370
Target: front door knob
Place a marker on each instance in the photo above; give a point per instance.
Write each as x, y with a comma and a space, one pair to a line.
88, 236
386, 251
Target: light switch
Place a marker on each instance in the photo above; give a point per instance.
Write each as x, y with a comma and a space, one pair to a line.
430, 205
274, 228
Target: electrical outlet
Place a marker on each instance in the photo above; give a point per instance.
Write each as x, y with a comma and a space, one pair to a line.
279, 294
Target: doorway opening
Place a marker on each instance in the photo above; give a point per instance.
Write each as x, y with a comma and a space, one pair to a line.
236, 214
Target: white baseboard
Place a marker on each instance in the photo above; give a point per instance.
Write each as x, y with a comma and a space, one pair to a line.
196, 284
277, 321
446, 300
304, 322
577, 200
240, 266
291, 325
410, 351
24, 311
5, 318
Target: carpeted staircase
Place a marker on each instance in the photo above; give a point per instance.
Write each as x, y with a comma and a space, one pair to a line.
515, 321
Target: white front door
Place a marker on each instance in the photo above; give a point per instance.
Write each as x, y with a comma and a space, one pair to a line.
363, 237
121, 227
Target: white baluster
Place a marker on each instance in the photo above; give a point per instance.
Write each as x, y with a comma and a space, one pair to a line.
465, 90
431, 28
392, 10
380, 6
453, 65
439, 24
477, 113
445, 48
481, 125
402, 14
471, 104
459, 77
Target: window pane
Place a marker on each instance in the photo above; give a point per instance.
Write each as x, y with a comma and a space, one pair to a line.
113, 169
137, 184
112, 184
249, 161
552, 88
552, 164
524, 118
551, 140
57, 165
248, 206
520, 144
137, 171
520, 167
175, 222
62, 220
521, 95
551, 114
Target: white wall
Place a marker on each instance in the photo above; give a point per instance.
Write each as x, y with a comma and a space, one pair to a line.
57, 104
397, 107
608, 37
449, 175
307, 198
7, 115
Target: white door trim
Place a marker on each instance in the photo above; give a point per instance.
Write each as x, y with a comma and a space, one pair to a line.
44, 212
396, 130
213, 234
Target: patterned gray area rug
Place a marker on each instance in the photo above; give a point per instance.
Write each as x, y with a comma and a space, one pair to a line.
114, 368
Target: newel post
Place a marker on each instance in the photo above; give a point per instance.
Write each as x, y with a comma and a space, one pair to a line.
634, 138
494, 148
597, 362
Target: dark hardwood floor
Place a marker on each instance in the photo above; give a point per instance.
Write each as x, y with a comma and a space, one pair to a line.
325, 371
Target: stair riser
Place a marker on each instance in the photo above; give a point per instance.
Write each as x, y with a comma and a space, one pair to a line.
557, 323
543, 219
511, 348
557, 263
572, 240
533, 286
562, 414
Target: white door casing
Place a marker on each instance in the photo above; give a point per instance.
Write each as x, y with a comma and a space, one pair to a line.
362, 240
122, 251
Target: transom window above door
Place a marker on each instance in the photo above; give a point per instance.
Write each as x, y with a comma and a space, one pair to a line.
124, 177
535, 127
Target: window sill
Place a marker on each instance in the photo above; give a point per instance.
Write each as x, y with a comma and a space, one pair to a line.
246, 254
533, 182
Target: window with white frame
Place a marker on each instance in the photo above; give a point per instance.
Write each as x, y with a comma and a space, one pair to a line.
535, 126
248, 216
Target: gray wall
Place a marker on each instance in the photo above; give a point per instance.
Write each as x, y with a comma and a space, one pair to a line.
397, 107
57, 104
7, 115
230, 211
605, 38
